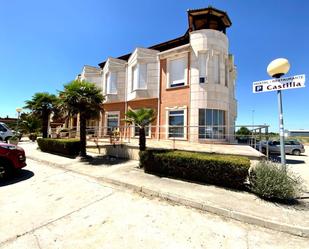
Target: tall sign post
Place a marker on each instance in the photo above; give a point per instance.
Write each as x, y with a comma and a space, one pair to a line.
276, 69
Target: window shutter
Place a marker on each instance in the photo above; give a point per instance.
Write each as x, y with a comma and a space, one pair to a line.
108, 83
142, 76
134, 77
177, 71
113, 83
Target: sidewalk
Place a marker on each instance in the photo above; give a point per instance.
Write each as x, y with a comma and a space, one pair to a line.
237, 205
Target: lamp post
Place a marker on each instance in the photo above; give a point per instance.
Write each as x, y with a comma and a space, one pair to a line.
276, 69
18, 110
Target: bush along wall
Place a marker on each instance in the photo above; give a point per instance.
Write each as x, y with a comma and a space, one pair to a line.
271, 181
221, 170
68, 147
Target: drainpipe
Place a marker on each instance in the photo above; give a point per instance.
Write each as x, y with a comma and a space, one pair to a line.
189, 137
159, 98
125, 95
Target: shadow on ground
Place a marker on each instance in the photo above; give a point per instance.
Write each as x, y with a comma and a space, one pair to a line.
105, 160
20, 176
288, 161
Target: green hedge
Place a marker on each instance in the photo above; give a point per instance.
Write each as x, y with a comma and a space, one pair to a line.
222, 170
69, 147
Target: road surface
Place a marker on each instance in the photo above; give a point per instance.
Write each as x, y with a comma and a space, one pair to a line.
49, 207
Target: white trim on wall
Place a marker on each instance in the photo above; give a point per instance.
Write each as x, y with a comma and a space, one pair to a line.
185, 113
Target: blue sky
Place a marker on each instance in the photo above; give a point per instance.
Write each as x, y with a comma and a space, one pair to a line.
44, 44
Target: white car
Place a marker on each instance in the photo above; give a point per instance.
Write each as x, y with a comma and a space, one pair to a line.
5, 132
293, 147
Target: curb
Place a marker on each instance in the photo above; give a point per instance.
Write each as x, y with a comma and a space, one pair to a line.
208, 207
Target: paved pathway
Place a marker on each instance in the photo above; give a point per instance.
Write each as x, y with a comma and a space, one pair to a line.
52, 207
238, 205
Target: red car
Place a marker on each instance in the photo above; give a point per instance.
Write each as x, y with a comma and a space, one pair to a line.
12, 158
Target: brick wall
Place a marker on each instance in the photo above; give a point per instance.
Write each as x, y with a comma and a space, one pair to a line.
170, 98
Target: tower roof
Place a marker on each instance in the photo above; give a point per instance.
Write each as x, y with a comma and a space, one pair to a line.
208, 18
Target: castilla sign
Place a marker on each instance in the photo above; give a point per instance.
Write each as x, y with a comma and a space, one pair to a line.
297, 81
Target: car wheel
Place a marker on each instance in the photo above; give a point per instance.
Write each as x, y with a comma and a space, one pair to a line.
296, 152
6, 168
264, 151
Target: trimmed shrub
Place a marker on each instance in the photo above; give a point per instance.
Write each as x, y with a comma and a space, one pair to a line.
271, 181
69, 147
222, 170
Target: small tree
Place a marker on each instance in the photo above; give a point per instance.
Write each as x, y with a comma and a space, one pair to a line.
242, 135
83, 98
141, 118
29, 123
42, 105
243, 131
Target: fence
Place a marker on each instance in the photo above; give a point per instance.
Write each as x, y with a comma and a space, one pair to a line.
175, 133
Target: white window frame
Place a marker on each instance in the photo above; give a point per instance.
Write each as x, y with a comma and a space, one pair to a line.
106, 118
169, 61
107, 82
185, 125
138, 68
133, 131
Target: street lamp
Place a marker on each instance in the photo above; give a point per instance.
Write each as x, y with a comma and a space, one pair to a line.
18, 110
276, 69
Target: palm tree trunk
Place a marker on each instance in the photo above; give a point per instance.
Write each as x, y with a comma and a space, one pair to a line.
45, 117
142, 139
82, 133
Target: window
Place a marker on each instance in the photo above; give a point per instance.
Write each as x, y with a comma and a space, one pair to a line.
136, 131
139, 76
176, 69
211, 124
2, 128
111, 83
202, 57
226, 72
216, 66
176, 124
112, 122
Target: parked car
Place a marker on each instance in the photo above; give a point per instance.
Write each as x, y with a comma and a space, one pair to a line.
12, 158
5, 132
293, 147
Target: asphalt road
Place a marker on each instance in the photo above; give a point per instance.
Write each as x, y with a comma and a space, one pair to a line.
48, 207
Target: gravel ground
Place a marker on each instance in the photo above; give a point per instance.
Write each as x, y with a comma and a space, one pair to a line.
48, 207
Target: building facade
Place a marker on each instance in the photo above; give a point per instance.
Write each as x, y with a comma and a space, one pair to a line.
189, 81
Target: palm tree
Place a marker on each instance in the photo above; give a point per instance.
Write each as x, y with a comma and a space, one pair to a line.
30, 123
141, 118
83, 98
42, 105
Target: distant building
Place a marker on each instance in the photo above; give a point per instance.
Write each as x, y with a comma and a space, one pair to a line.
8, 120
189, 81
299, 133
